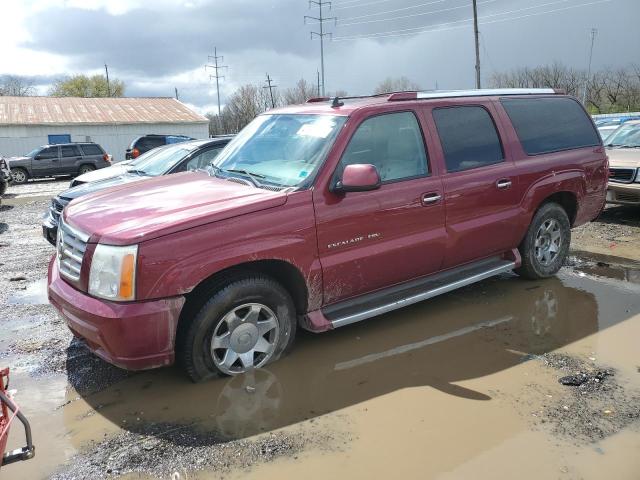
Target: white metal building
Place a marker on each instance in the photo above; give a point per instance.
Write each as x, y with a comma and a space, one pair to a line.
29, 122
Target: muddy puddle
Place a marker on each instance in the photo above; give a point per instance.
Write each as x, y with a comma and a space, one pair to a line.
457, 387
34, 293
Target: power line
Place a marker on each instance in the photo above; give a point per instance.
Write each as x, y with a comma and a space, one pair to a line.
339, 7
270, 87
393, 11
216, 68
321, 20
412, 15
430, 28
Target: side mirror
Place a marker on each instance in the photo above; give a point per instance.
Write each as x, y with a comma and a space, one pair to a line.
358, 178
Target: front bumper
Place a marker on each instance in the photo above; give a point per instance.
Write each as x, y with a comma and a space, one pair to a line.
623, 193
133, 336
50, 229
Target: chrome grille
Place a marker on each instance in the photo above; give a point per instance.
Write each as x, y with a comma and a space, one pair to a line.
623, 175
71, 247
57, 205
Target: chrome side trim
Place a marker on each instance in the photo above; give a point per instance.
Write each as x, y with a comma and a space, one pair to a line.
357, 317
485, 91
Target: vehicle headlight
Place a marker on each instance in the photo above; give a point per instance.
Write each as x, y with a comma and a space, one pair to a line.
113, 272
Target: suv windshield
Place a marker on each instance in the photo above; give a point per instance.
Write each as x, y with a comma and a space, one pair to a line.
158, 162
281, 149
625, 136
33, 152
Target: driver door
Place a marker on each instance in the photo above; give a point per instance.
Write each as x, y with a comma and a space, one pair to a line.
46, 162
375, 239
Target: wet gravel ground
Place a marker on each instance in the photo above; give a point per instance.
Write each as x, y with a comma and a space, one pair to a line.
175, 451
594, 410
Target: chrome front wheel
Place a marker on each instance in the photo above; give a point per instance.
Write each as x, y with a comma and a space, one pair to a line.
246, 337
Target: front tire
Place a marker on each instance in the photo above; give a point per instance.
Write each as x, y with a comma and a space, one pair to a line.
546, 244
245, 324
19, 175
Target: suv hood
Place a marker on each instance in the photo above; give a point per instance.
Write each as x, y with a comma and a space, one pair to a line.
624, 157
163, 205
16, 159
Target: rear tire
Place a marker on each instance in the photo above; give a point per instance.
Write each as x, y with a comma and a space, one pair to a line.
546, 244
19, 175
247, 323
85, 169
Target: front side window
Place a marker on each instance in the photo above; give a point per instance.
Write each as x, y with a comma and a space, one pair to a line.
392, 143
48, 153
468, 137
625, 136
283, 150
162, 160
202, 160
550, 124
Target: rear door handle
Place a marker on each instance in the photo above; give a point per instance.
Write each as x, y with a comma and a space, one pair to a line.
431, 198
503, 183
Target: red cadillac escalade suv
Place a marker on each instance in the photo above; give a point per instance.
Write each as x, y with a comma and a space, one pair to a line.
325, 214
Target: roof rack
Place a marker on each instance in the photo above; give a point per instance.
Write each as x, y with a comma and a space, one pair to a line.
430, 94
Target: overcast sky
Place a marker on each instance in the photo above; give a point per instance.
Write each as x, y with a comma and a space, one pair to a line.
157, 45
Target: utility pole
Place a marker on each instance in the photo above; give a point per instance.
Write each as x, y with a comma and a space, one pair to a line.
215, 58
318, 72
106, 71
476, 35
594, 32
321, 34
270, 87
176, 89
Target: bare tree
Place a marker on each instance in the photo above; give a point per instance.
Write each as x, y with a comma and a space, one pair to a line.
398, 84
302, 92
16, 86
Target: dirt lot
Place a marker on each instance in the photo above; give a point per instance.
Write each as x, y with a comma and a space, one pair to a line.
463, 386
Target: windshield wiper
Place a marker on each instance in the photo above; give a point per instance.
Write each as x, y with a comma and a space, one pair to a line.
629, 146
253, 176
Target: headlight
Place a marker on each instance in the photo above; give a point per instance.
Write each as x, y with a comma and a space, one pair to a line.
113, 272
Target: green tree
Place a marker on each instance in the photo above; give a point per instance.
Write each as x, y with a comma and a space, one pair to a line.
85, 86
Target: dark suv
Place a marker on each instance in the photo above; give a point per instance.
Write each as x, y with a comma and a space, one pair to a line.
56, 160
147, 142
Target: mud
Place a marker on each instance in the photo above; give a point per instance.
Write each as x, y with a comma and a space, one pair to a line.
462, 386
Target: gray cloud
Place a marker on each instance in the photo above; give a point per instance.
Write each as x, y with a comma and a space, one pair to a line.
145, 46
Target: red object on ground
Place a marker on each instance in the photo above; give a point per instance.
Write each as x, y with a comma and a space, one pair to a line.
9, 411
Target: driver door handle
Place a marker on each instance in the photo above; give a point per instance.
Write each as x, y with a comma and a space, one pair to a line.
503, 183
431, 198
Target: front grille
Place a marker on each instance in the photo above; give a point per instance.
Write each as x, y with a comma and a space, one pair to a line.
57, 205
622, 175
627, 197
71, 247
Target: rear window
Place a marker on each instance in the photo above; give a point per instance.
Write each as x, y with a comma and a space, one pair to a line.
147, 143
91, 149
546, 125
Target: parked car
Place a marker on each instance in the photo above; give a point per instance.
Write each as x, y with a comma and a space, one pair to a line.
606, 126
623, 148
322, 215
57, 160
145, 143
165, 160
5, 175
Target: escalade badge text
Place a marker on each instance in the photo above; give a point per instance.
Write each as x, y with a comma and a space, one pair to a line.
351, 241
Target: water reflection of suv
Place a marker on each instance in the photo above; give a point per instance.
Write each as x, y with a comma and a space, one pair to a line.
322, 215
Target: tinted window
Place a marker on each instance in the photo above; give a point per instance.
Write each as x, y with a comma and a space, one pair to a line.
468, 137
550, 124
70, 151
392, 143
47, 153
91, 149
147, 143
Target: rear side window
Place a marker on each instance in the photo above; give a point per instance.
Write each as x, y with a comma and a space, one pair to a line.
70, 151
91, 149
392, 143
468, 136
546, 125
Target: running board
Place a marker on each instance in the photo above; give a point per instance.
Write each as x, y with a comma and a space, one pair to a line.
399, 296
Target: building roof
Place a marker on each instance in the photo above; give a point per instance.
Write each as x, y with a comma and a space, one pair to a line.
101, 111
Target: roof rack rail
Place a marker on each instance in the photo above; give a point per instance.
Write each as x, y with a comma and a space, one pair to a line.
430, 94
